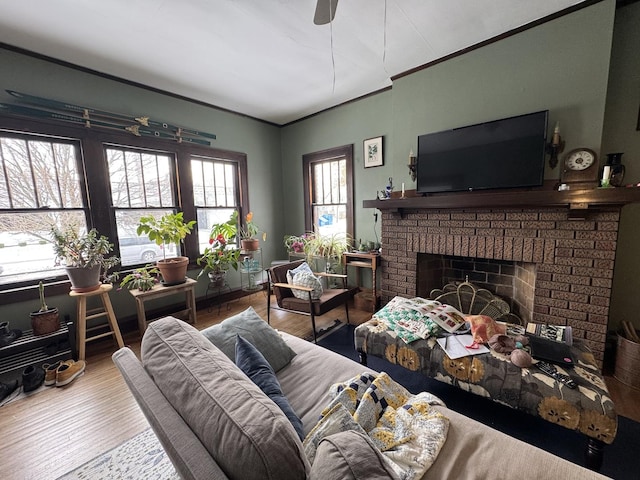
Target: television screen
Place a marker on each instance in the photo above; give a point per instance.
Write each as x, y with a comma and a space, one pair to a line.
506, 153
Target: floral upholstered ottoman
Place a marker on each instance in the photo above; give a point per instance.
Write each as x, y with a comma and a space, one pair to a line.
587, 408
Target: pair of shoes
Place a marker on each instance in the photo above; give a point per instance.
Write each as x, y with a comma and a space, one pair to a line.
63, 372
32, 378
8, 335
51, 371
7, 389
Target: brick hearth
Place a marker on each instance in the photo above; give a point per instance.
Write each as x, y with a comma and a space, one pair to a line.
572, 260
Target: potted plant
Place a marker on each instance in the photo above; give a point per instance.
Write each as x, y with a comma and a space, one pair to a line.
46, 320
170, 229
143, 278
85, 257
297, 243
217, 259
328, 247
228, 229
248, 232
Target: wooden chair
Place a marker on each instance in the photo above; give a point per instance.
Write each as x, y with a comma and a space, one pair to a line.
285, 300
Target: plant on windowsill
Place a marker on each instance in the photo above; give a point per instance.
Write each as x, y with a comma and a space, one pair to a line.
297, 243
46, 320
328, 247
169, 229
216, 260
248, 232
85, 257
143, 278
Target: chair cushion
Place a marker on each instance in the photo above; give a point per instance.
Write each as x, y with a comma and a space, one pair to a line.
189, 370
302, 268
309, 280
330, 299
254, 365
255, 330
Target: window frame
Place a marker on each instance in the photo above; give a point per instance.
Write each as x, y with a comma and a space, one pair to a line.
242, 188
308, 161
99, 211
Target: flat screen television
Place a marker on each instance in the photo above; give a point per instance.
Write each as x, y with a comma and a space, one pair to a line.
506, 153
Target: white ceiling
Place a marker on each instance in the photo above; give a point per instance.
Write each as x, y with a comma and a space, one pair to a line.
262, 58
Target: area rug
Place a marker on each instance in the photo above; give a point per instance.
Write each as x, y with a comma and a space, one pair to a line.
140, 458
621, 460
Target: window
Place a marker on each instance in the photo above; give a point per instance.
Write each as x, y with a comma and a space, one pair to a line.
41, 185
328, 186
52, 173
141, 184
216, 192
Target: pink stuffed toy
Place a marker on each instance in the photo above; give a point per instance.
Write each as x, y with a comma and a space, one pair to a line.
484, 327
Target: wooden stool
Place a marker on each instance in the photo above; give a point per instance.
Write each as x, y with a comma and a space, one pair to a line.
106, 311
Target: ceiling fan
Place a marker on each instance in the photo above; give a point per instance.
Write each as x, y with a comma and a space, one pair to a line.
325, 11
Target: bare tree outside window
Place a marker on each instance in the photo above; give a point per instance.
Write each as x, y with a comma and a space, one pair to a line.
215, 193
40, 186
141, 185
328, 184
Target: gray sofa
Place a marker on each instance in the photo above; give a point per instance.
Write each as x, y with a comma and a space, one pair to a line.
215, 424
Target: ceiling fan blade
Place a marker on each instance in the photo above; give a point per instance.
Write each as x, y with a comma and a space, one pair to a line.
325, 11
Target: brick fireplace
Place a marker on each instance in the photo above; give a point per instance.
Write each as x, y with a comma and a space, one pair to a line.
561, 269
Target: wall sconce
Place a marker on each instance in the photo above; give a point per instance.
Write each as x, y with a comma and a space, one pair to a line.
412, 165
555, 147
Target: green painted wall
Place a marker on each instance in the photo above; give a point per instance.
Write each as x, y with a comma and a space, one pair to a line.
554, 66
620, 135
259, 140
350, 124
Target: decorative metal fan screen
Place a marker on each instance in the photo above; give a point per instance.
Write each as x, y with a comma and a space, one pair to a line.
471, 300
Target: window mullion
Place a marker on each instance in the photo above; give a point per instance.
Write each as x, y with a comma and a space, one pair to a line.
143, 187
6, 175
126, 178
204, 184
57, 175
33, 175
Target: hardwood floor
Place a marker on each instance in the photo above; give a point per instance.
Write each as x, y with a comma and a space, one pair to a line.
53, 432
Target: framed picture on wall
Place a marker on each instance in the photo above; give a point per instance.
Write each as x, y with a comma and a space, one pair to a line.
373, 152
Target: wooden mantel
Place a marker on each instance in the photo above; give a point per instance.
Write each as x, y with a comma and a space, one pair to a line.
574, 200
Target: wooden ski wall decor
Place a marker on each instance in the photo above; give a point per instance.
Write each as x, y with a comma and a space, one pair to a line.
91, 117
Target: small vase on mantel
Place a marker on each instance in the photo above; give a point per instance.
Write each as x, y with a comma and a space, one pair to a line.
614, 160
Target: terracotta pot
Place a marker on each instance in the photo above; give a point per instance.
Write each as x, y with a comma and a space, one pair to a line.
173, 270
250, 244
43, 323
84, 279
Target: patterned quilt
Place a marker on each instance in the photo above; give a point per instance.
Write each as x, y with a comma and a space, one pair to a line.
403, 426
401, 316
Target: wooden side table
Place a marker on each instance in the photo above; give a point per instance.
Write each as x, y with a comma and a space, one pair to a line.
84, 315
364, 260
159, 291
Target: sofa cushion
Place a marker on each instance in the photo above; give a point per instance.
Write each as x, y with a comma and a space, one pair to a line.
254, 365
349, 455
255, 330
225, 409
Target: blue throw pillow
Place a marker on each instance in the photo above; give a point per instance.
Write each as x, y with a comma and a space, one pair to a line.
253, 364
